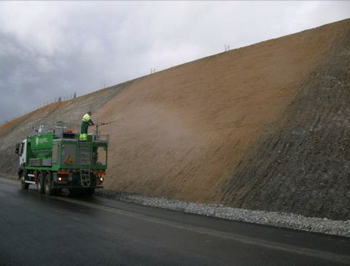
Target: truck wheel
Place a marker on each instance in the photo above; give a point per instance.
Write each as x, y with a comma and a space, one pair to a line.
40, 184
47, 185
23, 184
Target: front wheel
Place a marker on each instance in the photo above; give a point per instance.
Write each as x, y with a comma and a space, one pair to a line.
24, 185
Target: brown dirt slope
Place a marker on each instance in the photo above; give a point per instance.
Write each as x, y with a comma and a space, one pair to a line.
303, 165
213, 130
183, 132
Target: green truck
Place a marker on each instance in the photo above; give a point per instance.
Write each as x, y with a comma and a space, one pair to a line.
53, 158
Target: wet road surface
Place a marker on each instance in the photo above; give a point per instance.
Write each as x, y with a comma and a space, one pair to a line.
40, 230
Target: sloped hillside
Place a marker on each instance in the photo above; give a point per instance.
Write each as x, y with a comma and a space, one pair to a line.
303, 165
259, 127
187, 132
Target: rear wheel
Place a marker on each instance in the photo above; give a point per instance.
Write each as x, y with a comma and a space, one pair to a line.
48, 185
40, 183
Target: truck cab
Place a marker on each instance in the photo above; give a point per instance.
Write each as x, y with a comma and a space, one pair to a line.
21, 150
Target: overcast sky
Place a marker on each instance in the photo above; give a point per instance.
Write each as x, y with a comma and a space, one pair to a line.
52, 49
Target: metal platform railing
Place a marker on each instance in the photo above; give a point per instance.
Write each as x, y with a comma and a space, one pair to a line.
58, 128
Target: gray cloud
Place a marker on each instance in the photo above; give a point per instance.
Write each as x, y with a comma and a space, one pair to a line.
51, 49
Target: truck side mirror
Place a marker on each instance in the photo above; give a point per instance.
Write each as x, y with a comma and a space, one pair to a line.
17, 148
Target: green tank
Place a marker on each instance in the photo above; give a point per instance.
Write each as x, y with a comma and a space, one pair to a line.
53, 158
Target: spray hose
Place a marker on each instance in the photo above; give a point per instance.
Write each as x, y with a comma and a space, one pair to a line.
106, 123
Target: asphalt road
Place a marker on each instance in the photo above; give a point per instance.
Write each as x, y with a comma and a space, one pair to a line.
40, 230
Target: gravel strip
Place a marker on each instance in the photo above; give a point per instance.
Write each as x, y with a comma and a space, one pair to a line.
278, 219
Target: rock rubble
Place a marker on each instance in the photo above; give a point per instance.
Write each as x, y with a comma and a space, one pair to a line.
277, 219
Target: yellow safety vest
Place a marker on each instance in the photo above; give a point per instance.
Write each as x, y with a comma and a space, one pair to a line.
86, 118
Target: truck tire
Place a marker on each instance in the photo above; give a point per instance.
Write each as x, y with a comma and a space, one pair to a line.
40, 183
23, 184
48, 185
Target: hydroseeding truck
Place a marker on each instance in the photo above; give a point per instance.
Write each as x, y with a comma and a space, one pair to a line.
53, 158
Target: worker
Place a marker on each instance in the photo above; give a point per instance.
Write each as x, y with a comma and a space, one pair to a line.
85, 123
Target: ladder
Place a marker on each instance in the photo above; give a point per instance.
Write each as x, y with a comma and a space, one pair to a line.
85, 165
85, 177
